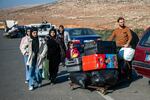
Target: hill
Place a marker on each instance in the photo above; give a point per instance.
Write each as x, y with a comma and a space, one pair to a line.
98, 14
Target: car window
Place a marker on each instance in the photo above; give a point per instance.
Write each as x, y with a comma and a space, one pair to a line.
79, 32
44, 27
145, 41
75, 32
89, 32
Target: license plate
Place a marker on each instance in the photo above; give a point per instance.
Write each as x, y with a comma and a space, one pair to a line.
147, 58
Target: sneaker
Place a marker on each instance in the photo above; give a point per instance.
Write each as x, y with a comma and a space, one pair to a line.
30, 88
36, 85
52, 84
39, 85
26, 81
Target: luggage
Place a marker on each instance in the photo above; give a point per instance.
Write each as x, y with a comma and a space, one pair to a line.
79, 78
74, 65
104, 77
93, 62
106, 47
111, 61
90, 48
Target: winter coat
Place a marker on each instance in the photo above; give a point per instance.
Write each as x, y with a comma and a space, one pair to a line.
24, 45
54, 48
64, 37
41, 53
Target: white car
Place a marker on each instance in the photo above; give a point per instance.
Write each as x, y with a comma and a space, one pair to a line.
43, 28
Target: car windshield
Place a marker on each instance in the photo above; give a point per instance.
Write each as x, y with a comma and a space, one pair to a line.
44, 27
81, 32
146, 39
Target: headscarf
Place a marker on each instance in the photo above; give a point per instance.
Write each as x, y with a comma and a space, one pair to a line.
53, 37
35, 41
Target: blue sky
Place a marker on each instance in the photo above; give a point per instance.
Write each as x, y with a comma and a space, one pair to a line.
15, 3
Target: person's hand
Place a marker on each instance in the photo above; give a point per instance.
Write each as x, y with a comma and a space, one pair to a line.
41, 56
126, 45
26, 53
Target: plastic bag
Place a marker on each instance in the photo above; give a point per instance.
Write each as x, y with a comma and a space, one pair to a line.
45, 73
126, 53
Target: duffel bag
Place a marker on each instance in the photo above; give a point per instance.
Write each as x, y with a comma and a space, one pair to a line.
79, 78
104, 77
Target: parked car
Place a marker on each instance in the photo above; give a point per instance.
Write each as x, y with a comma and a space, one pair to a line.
141, 62
44, 28
15, 32
80, 36
9, 24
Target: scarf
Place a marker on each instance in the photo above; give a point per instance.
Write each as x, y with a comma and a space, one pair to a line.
35, 45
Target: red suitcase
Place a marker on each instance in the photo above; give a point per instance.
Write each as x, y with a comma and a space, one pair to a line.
93, 62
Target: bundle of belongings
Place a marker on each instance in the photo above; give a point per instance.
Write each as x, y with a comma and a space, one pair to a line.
98, 66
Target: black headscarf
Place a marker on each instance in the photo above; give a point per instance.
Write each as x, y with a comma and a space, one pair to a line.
28, 28
35, 41
53, 37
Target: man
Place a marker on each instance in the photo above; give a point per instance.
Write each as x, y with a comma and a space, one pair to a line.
122, 35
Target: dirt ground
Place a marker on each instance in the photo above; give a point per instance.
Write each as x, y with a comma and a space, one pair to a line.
78, 13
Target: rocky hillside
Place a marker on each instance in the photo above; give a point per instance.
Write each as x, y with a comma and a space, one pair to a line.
108, 1
98, 14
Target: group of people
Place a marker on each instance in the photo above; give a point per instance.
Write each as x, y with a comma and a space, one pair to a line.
36, 49
55, 47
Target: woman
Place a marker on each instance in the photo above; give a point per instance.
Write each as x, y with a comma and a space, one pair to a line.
62, 36
37, 53
24, 50
53, 54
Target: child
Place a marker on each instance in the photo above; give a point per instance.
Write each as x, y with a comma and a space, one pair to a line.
72, 52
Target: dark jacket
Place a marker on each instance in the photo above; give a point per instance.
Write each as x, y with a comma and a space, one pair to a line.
135, 39
53, 48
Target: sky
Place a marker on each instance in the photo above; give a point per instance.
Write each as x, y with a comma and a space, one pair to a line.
16, 3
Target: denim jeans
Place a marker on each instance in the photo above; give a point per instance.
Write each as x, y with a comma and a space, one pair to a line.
31, 75
35, 75
38, 73
26, 67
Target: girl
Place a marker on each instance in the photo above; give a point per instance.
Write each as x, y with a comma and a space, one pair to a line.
24, 50
53, 55
37, 53
72, 52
